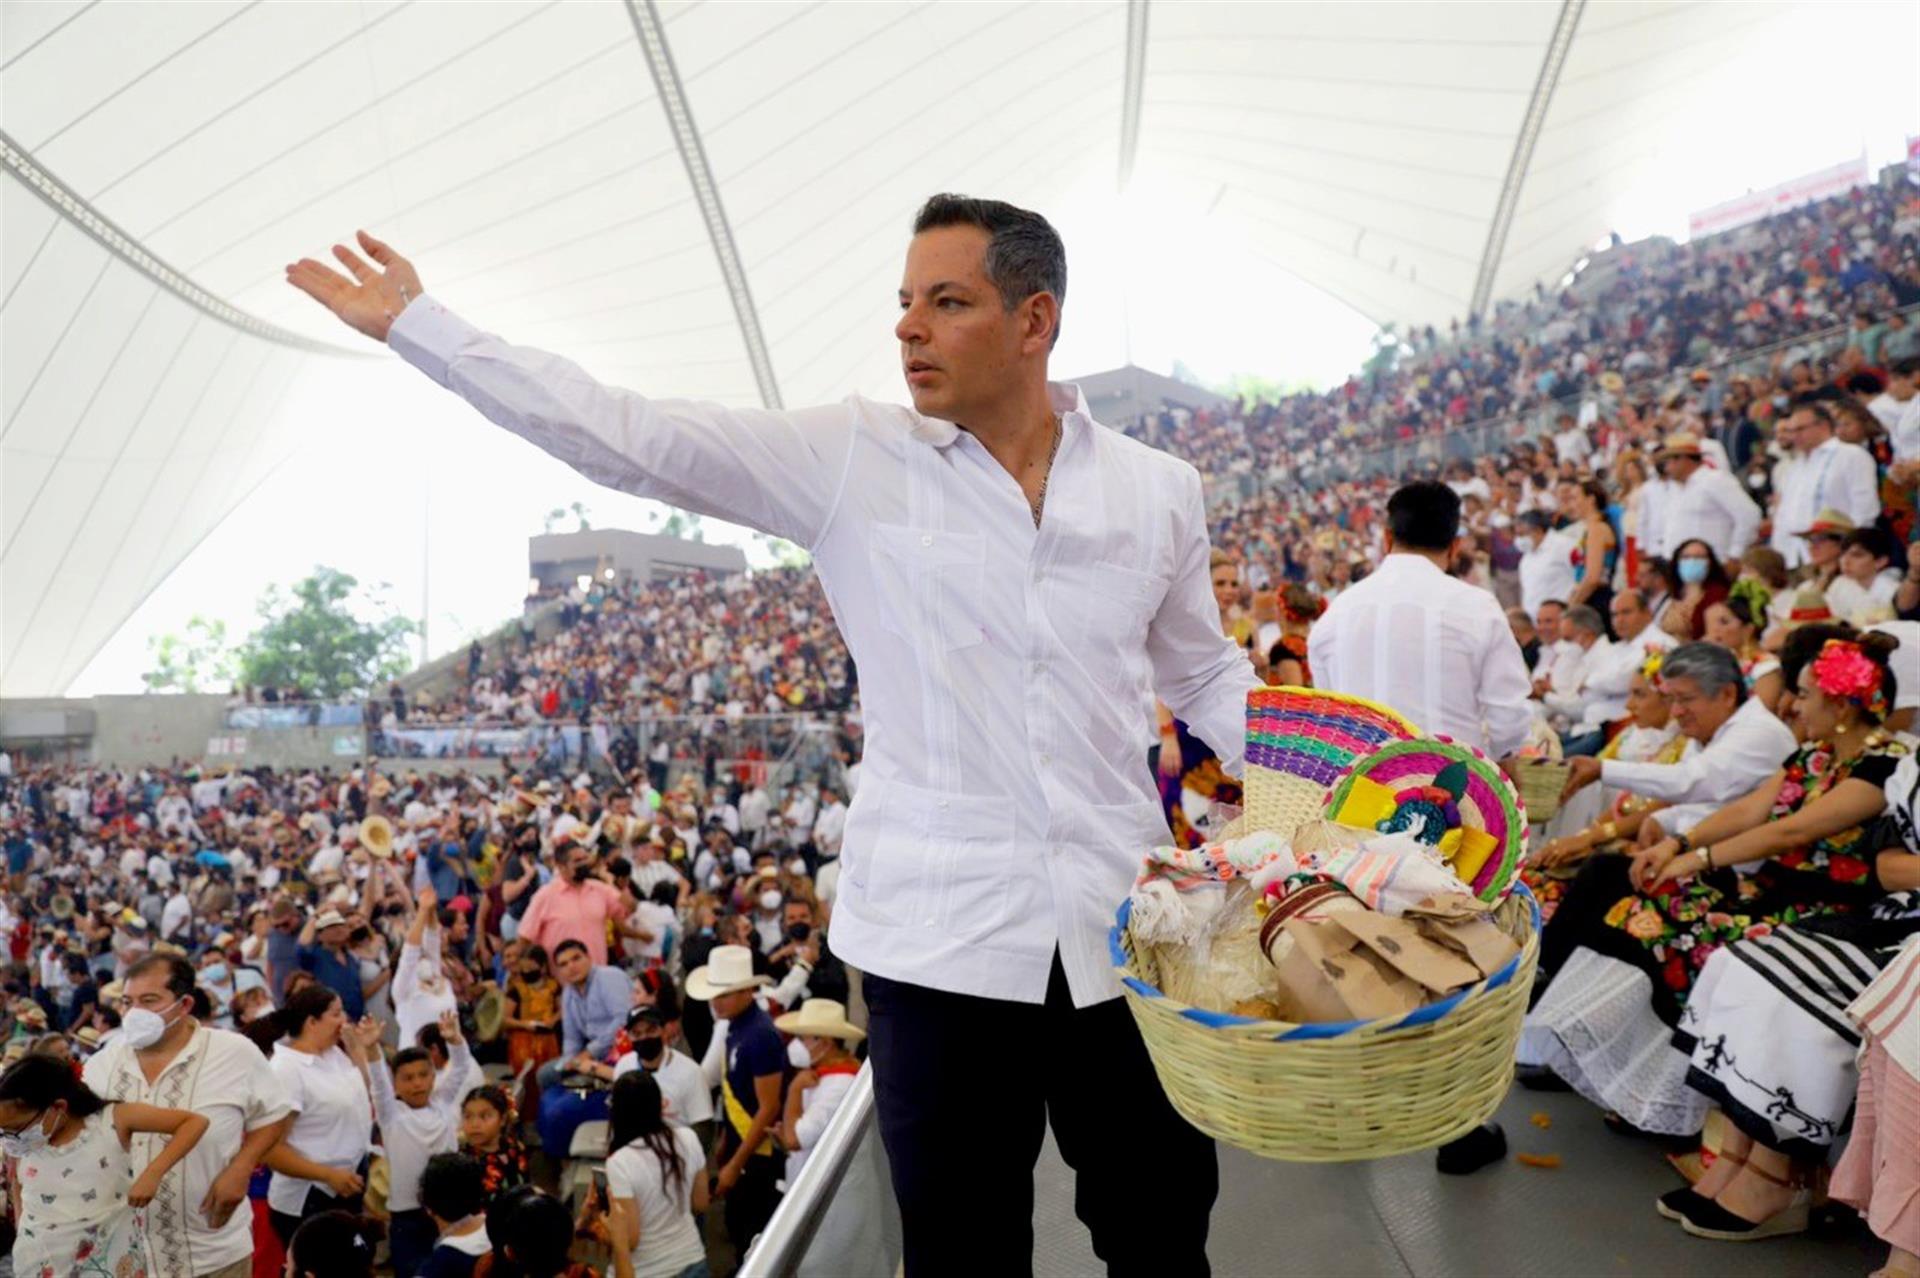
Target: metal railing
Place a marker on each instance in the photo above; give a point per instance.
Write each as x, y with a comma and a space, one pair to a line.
772, 749
839, 1218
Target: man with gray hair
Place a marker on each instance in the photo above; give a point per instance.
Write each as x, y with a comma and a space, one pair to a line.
1740, 743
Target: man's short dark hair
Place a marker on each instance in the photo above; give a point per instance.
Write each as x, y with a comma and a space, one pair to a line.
181, 978
1024, 253
571, 943
1424, 515
453, 1186
409, 1056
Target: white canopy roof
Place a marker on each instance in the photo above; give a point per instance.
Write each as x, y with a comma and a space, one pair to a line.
710, 196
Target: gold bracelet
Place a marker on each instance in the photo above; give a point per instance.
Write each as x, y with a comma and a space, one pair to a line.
1610, 831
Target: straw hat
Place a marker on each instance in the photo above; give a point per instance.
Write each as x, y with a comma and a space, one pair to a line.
87, 1036
327, 919
113, 990
62, 906
1828, 523
381, 788
376, 836
379, 1183
489, 1014
1809, 605
820, 1018
729, 968
1682, 443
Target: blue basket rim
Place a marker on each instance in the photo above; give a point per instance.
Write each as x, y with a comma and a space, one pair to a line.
1424, 1015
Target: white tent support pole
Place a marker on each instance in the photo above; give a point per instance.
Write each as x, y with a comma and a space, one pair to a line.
706, 192
65, 201
1135, 86
1558, 47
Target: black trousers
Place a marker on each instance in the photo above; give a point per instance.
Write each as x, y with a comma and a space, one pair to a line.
965, 1088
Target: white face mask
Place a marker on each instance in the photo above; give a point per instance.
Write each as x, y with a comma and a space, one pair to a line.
769, 900
1525, 542
143, 1028
796, 867
29, 1140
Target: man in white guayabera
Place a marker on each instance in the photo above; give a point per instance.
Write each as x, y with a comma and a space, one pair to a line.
1016, 582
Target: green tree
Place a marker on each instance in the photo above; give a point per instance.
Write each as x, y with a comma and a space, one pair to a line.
313, 638
200, 660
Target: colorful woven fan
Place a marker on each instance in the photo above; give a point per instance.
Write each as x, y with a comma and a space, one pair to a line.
1299, 742
1447, 795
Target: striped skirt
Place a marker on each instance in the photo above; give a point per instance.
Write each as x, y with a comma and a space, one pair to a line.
1766, 1030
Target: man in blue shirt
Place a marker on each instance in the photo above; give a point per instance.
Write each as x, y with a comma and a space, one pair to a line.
329, 961
594, 1002
749, 1173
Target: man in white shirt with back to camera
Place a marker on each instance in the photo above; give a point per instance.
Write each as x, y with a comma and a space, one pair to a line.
1016, 582
1434, 648
1441, 653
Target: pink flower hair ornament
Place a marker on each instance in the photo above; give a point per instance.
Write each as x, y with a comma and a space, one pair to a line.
1844, 671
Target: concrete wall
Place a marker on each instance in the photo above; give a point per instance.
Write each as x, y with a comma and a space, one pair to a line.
127, 730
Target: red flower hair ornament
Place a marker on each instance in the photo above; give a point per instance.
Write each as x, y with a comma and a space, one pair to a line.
1844, 671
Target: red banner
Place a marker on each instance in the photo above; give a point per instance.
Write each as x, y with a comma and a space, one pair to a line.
1788, 195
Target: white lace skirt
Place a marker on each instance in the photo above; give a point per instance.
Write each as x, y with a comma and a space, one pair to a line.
1595, 1027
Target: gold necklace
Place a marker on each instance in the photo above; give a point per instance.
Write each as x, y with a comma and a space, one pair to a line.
1040, 499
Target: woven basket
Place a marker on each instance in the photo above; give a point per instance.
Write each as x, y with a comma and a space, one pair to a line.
1541, 781
1338, 1092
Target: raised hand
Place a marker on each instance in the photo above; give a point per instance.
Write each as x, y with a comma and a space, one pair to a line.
450, 1027
370, 297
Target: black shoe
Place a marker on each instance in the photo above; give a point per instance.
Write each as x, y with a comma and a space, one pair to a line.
1538, 1078
1481, 1147
1681, 1204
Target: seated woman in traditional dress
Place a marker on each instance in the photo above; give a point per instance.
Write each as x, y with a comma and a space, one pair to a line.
1623, 951
1736, 623
1601, 818
1766, 1028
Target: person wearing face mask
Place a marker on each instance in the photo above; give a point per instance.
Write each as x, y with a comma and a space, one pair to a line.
1546, 561
768, 925
422, 995
683, 1089
577, 907
823, 1031
216, 978
76, 1150
199, 1227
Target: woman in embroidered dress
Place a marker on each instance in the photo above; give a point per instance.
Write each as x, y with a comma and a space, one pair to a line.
1735, 623
1766, 1029
1636, 935
76, 1193
1650, 738
1299, 609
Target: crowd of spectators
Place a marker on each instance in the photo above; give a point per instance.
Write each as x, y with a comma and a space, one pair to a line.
578, 942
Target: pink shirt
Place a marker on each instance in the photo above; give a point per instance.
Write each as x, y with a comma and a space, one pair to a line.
563, 911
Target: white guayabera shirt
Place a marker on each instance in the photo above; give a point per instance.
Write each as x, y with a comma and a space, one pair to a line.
1006, 673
